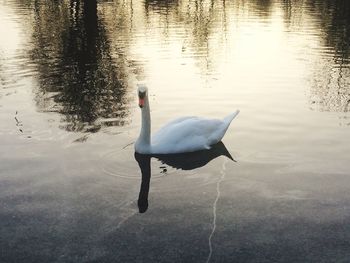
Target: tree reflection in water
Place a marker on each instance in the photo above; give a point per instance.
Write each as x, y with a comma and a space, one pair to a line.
331, 91
78, 77
183, 161
85, 55
330, 83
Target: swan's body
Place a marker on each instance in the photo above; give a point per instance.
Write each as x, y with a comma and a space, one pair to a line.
186, 134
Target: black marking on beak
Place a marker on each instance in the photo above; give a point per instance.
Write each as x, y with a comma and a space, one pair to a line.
142, 94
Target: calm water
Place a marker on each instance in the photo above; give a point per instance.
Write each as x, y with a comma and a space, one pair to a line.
69, 180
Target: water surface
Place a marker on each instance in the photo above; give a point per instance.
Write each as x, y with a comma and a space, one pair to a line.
69, 181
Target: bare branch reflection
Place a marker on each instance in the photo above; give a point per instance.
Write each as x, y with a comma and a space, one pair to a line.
330, 83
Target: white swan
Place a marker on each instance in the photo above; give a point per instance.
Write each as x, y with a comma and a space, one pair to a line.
186, 134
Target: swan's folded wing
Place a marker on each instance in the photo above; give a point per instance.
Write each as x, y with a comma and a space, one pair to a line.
186, 134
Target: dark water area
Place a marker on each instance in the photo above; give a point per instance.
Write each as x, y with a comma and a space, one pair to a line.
275, 190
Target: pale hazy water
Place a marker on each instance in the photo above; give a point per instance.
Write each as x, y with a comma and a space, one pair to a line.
69, 182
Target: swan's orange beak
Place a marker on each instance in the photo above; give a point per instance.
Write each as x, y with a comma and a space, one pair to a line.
141, 102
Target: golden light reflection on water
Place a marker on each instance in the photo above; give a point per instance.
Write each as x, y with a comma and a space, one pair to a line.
9, 29
88, 57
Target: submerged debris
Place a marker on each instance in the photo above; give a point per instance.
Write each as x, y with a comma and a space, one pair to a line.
18, 123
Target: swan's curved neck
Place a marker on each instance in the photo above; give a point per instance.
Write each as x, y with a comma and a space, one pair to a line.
145, 135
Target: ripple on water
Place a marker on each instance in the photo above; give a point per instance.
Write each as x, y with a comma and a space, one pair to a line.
121, 163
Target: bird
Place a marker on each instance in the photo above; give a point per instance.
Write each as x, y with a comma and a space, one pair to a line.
185, 134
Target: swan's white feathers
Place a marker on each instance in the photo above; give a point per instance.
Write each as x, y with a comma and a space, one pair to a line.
142, 87
189, 134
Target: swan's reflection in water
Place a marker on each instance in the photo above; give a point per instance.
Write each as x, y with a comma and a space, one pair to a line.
184, 161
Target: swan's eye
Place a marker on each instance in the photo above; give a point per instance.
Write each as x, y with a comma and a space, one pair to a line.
142, 94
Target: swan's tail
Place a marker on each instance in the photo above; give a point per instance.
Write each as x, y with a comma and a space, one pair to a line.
220, 132
230, 117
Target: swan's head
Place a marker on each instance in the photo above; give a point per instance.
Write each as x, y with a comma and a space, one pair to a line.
142, 94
